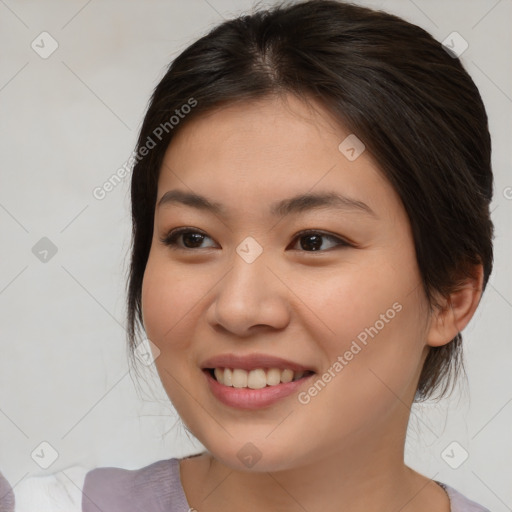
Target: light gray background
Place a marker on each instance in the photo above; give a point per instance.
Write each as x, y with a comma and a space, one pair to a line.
67, 123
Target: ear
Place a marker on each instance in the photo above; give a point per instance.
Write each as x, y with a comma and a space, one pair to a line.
456, 311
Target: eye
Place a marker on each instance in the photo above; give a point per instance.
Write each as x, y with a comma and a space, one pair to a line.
314, 240
311, 240
192, 238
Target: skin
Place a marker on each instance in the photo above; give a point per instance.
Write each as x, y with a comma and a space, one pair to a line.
346, 446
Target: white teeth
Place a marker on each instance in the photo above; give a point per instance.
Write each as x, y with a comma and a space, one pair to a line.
228, 377
239, 378
273, 376
287, 375
255, 379
219, 375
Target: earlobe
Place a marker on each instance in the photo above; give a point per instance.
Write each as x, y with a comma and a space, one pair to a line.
457, 310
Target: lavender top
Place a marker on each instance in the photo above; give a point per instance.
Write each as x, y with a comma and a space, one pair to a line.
157, 488
153, 488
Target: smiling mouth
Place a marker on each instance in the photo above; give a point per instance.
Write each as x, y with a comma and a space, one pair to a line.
255, 379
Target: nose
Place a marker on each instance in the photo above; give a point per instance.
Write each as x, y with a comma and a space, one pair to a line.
250, 297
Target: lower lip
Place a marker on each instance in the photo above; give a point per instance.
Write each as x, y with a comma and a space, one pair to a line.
246, 398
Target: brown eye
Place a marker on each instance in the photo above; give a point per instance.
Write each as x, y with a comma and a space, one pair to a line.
311, 241
192, 239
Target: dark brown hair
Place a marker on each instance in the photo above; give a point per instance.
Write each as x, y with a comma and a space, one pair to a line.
391, 83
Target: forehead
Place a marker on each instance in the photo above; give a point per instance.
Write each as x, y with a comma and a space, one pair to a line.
273, 128
263, 151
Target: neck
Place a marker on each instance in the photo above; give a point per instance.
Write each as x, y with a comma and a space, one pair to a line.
366, 473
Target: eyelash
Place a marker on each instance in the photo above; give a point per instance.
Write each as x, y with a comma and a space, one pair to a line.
170, 239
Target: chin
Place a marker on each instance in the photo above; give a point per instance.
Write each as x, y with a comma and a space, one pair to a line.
255, 457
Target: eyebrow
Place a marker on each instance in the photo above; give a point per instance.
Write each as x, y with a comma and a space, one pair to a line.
293, 205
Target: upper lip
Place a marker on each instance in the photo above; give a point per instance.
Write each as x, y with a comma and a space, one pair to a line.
252, 362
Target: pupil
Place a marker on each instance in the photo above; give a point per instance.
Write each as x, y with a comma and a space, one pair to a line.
196, 238
317, 242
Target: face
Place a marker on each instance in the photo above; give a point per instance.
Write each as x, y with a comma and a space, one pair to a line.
331, 288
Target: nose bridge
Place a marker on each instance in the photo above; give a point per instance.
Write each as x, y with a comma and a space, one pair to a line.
249, 265
247, 282
249, 294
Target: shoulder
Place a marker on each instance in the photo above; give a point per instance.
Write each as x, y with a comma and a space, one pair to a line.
460, 503
58, 492
153, 488
6, 495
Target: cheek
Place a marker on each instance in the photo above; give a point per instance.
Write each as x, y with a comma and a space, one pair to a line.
374, 357
375, 315
348, 302
168, 299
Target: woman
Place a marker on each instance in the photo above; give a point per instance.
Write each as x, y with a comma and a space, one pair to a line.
311, 234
